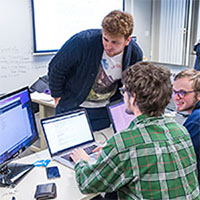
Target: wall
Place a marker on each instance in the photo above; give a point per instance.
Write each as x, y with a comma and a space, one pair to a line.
18, 66
147, 15
141, 11
166, 45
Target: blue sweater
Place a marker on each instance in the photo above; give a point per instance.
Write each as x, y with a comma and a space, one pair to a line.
74, 68
192, 124
197, 60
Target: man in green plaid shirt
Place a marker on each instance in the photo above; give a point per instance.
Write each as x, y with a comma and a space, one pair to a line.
154, 157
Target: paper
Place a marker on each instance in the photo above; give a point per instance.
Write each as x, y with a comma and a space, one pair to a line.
41, 96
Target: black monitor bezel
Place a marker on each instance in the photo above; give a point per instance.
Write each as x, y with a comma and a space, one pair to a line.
25, 145
47, 51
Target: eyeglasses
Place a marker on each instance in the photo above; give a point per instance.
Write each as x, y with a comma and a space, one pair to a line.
122, 91
181, 93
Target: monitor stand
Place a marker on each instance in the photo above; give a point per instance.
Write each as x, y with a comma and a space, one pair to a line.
13, 173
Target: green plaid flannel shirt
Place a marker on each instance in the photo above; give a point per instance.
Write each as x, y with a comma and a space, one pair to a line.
153, 159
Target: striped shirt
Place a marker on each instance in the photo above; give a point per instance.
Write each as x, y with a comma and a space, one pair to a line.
153, 159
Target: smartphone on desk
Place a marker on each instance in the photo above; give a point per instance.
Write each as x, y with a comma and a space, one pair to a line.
52, 172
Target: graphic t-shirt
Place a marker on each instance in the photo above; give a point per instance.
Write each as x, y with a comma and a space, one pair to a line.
105, 85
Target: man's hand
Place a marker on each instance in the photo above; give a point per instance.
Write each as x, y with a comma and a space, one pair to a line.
98, 149
79, 154
57, 100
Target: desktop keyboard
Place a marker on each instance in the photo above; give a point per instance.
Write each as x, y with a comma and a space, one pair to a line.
88, 150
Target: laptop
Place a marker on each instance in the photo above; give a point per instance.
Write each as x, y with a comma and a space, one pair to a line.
68, 131
120, 120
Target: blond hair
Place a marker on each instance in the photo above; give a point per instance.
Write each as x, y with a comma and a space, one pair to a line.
193, 76
118, 23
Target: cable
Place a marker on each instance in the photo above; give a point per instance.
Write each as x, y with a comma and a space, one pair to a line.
105, 137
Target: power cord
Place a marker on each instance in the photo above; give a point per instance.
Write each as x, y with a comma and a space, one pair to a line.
105, 137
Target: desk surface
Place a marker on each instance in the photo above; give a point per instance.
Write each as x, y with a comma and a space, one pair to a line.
25, 189
43, 99
66, 185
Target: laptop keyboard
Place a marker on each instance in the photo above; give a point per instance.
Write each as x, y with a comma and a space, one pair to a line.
88, 150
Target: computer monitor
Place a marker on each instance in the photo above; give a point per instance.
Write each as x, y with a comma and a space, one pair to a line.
120, 120
17, 131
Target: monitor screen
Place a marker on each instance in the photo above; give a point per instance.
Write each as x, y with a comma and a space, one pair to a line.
17, 125
120, 120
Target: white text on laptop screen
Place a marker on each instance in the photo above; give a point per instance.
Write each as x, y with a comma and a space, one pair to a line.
67, 131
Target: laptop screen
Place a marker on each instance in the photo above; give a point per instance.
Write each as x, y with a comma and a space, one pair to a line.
67, 131
119, 118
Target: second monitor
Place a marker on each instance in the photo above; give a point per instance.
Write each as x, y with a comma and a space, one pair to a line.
18, 132
120, 120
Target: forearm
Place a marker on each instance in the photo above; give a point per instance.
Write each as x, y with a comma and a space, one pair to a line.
103, 176
56, 84
88, 181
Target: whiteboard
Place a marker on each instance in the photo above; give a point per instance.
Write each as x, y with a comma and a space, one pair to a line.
18, 66
55, 21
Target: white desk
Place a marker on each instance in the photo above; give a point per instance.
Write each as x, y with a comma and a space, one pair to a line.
46, 104
66, 185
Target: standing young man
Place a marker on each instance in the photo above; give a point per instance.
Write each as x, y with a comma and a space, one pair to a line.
154, 158
87, 69
186, 96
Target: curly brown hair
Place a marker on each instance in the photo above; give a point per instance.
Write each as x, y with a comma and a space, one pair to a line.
193, 75
152, 86
118, 23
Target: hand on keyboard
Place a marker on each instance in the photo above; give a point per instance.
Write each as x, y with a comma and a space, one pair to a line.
88, 150
98, 149
79, 154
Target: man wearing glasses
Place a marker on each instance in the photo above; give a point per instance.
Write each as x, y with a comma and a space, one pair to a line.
186, 96
154, 157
